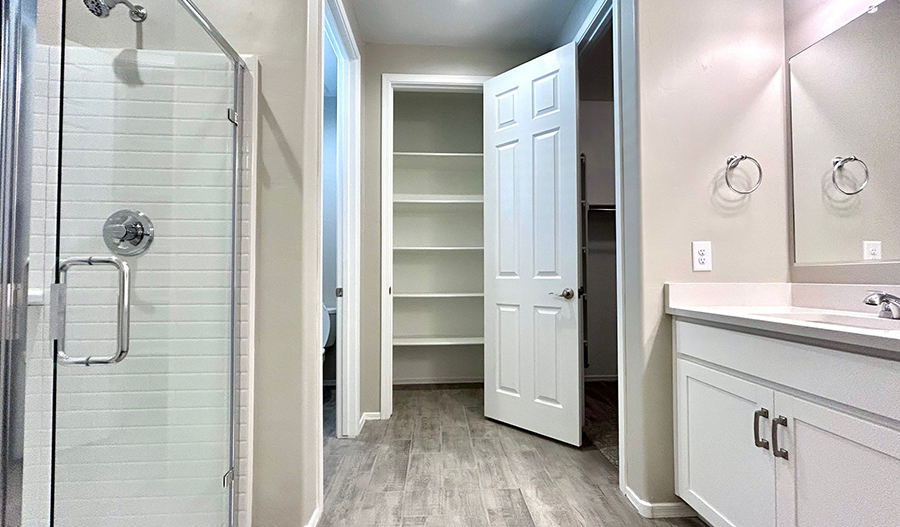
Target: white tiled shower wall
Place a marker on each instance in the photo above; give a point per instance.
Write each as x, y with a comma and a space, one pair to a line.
143, 442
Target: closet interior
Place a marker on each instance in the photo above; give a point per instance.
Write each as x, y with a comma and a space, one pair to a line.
596, 138
438, 238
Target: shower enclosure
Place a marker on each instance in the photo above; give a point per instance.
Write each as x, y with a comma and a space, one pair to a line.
122, 390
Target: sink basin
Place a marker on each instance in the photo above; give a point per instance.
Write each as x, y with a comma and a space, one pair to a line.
856, 321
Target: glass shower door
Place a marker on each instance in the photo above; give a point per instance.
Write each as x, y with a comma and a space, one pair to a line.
145, 229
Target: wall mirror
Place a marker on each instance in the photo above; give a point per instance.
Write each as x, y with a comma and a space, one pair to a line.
845, 132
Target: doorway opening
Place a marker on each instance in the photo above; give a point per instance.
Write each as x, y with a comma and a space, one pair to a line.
331, 250
432, 314
597, 169
435, 324
340, 224
437, 201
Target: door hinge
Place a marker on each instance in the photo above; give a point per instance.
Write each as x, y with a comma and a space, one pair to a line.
339, 292
228, 478
57, 312
587, 353
233, 116
9, 311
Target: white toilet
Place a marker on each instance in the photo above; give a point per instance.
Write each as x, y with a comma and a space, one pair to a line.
329, 327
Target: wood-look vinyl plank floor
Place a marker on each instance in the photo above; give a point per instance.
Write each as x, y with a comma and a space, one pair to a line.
438, 462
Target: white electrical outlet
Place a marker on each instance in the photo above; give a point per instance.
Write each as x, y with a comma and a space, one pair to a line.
702, 256
871, 250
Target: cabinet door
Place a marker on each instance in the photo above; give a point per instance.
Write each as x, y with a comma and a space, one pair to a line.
721, 472
841, 469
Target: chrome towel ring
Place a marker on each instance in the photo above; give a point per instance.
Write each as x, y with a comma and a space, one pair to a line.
838, 163
732, 163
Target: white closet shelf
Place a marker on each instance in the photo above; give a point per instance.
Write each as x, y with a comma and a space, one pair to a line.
438, 248
438, 295
438, 341
438, 154
438, 198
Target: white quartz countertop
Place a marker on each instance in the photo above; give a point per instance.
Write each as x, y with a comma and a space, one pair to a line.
856, 329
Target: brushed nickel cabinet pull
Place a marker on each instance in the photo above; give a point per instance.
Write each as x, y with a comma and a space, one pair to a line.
761, 413
776, 451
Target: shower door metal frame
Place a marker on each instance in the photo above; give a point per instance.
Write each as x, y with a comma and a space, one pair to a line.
19, 19
235, 115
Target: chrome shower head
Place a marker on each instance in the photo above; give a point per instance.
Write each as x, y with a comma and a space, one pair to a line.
97, 7
101, 9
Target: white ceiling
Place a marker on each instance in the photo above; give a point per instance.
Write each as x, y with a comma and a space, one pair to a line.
463, 23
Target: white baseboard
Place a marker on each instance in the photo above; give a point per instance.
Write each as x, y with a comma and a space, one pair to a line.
314, 519
589, 378
367, 416
432, 380
675, 509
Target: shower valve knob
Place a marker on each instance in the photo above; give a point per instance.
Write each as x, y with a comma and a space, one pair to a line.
125, 232
128, 232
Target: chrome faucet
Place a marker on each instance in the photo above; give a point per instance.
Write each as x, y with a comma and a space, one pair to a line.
889, 304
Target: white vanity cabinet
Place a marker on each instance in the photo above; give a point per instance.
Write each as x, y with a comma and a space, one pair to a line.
721, 471
841, 470
831, 462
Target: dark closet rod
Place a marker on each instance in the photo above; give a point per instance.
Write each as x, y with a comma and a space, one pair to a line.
605, 208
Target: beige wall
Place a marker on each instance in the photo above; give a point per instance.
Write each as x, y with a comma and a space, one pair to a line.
580, 11
597, 141
706, 90
286, 36
379, 59
808, 21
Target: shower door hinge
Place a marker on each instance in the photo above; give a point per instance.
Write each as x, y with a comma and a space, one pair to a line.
9, 312
228, 478
233, 116
339, 292
57, 312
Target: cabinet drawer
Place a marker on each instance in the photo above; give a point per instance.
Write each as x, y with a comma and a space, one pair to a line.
868, 383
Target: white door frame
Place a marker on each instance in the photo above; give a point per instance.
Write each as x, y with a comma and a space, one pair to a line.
624, 95
599, 14
337, 28
391, 82
629, 279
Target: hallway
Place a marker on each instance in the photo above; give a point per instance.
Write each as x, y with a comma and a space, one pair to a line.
439, 463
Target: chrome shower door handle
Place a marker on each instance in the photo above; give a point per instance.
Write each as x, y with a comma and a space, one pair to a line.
123, 311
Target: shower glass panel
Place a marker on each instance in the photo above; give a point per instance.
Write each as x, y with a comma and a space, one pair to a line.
135, 183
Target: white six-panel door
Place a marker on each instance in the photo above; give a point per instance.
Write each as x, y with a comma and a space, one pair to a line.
533, 363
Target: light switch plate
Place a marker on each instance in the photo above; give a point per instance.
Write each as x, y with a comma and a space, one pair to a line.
871, 250
702, 256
